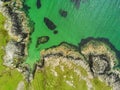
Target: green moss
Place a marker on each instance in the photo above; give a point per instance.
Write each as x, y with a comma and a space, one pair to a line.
38, 82
3, 38
9, 79
99, 85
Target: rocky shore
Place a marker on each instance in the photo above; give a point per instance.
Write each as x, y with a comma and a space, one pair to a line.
18, 30
95, 56
102, 60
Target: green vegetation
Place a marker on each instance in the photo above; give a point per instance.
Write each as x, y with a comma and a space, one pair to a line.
38, 82
3, 40
9, 78
65, 76
99, 85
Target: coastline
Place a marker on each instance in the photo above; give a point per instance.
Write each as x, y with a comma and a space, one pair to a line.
80, 55
95, 56
17, 27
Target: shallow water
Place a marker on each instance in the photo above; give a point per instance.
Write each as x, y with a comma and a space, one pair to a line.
93, 18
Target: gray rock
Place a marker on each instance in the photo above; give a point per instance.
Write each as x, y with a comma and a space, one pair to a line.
111, 78
99, 64
13, 50
116, 85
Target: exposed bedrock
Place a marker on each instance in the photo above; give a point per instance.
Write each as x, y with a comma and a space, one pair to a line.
17, 26
94, 55
100, 47
14, 50
17, 29
102, 58
64, 50
99, 64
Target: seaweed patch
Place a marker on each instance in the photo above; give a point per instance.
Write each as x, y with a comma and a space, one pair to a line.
55, 32
38, 4
63, 13
49, 23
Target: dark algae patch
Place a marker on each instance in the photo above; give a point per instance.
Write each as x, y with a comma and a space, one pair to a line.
49, 23
63, 13
38, 4
55, 32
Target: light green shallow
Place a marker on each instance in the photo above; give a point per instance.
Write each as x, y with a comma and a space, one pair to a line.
94, 18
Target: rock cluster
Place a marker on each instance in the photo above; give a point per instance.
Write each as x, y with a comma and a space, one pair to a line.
17, 27
95, 56
18, 30
13, 50
99, 64
102, 59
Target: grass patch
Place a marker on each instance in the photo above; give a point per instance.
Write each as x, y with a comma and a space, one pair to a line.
99, 85
38, 82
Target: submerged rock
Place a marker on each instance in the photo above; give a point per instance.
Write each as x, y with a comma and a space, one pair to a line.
49, 23
38, 4
63, 13
55, 32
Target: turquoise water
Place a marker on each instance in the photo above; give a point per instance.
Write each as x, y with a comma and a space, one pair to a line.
94, 18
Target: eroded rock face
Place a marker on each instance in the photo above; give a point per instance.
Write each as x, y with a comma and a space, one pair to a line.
102, 59
97, 58
99, 64
16, 25
97, 47
13, 50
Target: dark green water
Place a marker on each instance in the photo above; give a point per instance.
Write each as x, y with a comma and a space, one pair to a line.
94, 18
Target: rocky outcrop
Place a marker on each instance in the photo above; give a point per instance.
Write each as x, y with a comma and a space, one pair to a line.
16, 23
14, 50
99, 64
95, 56
18, 30
102, 59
